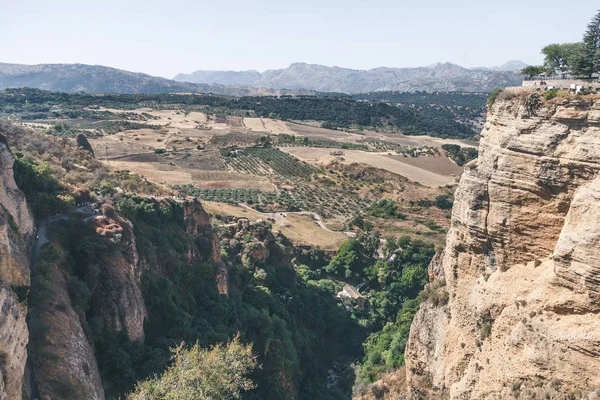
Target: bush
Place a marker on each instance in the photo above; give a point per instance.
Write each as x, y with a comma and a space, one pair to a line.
460, 155
386, 208
493, 96
550, 94
435, 293
443, 202
218, 373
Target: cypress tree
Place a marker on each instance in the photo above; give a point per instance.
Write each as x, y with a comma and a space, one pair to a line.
589, 61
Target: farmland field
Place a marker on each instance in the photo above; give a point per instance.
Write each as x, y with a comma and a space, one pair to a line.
228, 156
430, 176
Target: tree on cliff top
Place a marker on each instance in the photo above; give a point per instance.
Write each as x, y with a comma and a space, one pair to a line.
560, 58
218, 373
587, 57
581, 59
533, 70
591, 40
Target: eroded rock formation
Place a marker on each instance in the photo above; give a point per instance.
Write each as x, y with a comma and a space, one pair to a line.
84, 144
520, 264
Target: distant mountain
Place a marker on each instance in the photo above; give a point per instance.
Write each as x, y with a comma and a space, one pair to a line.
238, 78
100, 79
437, 77
513, 65
298, 78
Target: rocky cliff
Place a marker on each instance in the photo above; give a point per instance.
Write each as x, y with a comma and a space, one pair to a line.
16, 230
521, 262
94, 290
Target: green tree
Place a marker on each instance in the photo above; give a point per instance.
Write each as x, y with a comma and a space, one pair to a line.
589, 62
218, 373
347, 258
533, 70
560, 58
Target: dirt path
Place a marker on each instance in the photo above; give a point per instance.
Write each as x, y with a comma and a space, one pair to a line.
279, 217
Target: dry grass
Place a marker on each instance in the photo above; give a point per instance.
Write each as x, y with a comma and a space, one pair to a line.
313, 132
231, 210
155, 172
267, 125
377, 160
302, 230
390, 386
437, 164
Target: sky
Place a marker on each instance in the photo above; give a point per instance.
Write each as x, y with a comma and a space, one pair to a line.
164, 38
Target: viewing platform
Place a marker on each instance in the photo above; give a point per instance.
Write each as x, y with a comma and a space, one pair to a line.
562, 82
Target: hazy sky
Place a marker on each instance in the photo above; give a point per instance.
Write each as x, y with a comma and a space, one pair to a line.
166, 37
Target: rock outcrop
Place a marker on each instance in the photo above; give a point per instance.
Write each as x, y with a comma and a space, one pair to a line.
83, 144
521, 262
118, 297
16, 231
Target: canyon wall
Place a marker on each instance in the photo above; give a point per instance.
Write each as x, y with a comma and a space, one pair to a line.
16, 231
108, 259
521, 263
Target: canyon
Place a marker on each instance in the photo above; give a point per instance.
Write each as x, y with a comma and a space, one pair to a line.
512, 308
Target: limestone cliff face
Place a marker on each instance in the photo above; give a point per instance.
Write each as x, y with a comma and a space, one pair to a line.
16, 230
521, 262
63, 357
16, 223
13, 344
118, 297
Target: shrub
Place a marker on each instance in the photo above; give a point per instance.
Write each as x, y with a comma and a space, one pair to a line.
486, 330
218, 373
532, 103
493, 96
550, 94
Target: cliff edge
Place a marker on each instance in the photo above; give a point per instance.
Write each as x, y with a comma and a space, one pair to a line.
521, 263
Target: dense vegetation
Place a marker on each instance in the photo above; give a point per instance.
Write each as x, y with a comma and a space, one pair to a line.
460, 155
458, 99
423, 118
305, 341
46, 196
394, 284
385, 208
296, 327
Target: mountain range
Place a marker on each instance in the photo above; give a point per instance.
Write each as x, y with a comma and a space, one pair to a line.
437, 77
72, 78
298, 78
513, 65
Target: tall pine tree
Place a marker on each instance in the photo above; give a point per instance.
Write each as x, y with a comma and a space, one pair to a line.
588, 62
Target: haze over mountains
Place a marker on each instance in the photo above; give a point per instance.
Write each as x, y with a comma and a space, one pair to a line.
298, 78
437, 77
100, 79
